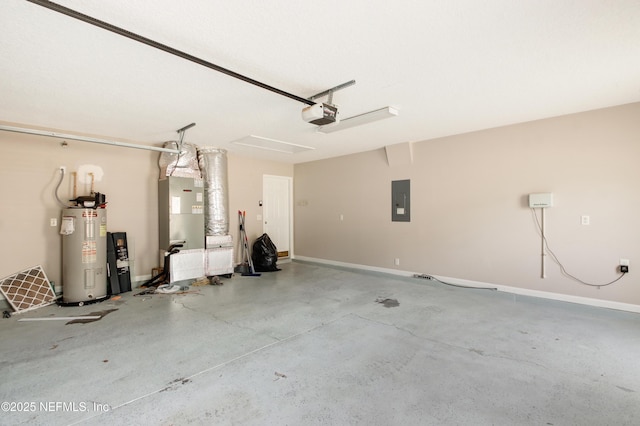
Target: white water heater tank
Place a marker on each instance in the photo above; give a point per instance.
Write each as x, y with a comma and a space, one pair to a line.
84, 255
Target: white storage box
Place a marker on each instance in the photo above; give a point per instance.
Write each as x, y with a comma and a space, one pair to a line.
218, 241
185, 265
219, 255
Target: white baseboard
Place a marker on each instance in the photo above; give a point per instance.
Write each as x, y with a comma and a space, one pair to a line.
139, 279
354, 266
468, 283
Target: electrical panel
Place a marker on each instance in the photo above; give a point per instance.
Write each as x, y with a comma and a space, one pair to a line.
401, 201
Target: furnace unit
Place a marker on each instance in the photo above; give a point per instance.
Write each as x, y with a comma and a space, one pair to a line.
181, 212
181, 221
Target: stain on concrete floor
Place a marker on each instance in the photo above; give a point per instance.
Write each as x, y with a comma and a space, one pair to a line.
388, 303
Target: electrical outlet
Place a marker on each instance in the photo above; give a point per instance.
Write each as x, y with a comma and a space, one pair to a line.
396, 261
624, 265
63, 169
585, 220
53, 221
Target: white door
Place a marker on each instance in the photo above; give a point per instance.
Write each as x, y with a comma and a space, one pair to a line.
277, 211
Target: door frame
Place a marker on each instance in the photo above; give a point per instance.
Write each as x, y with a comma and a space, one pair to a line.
289, 180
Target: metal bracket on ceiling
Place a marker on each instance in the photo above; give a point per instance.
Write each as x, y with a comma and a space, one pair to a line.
329, 92
181, 133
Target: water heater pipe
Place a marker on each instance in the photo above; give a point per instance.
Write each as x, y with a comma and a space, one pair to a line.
92, 181
75, 184
543, 273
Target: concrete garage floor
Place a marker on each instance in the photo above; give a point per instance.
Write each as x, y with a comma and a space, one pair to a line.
309, 345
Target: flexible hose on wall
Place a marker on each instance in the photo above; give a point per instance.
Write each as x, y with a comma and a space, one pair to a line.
62, 204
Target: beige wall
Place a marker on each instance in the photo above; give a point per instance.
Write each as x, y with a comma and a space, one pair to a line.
245, 193
470, 215
30, 173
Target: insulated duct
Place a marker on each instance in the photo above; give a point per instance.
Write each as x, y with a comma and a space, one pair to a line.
213, 166
184, 164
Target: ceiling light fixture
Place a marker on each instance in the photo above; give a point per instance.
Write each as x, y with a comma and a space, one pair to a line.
357, 120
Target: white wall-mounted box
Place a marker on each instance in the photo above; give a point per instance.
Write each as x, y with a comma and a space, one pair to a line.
541, 200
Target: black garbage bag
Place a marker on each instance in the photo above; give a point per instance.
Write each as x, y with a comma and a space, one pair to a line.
264, 254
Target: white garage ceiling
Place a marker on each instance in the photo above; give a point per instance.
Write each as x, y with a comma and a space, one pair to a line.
448, 67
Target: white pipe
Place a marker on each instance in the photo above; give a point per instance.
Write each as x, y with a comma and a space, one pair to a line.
86, 139
61, 318
543, 252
